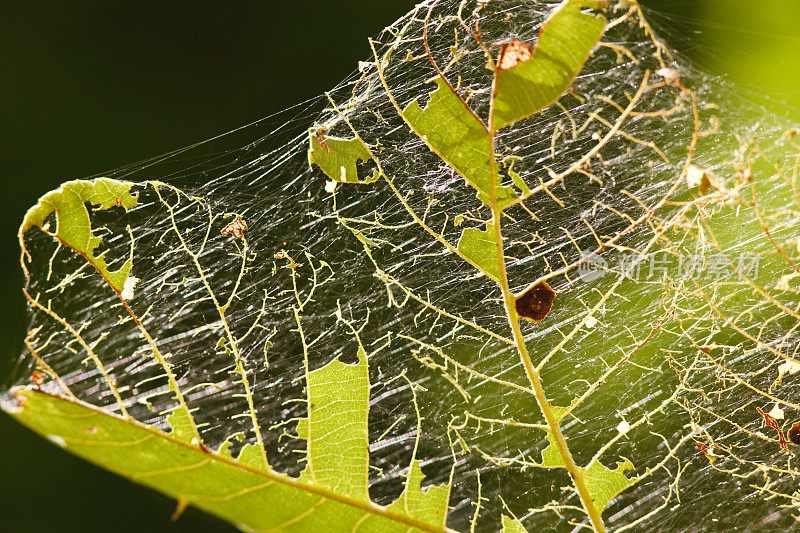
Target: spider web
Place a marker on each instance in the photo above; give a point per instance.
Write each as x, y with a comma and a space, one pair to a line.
662, 216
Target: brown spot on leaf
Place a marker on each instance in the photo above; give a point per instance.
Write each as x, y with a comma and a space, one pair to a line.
235, 228
38, 378
320, 136
794, 433
534, 304
513, 53
709, 451
91, 430
771, 422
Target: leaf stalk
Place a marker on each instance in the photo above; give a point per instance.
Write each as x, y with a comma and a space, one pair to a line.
576, 473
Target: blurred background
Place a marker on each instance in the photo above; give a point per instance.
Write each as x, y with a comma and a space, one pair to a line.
93, 85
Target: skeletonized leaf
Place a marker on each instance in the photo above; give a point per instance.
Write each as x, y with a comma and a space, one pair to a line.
602, 482
73, 227
168, 455
213, 297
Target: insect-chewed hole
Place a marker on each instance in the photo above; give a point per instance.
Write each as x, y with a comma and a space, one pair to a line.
111, 226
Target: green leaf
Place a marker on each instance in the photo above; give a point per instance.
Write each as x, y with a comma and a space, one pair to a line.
566, 40
182, 425
336, 427
331, 494
453, 131
428, 504
512, 525
604, 483
480, 247
338, 157
551, 457
73, 226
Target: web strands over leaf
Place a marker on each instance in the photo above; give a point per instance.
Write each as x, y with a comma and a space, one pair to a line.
549, 232
239, 321
335, 391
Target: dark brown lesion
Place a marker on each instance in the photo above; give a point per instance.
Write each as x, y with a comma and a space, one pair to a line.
535, 302
794, 433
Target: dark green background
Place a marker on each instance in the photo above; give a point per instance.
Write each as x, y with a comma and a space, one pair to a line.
93, 85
